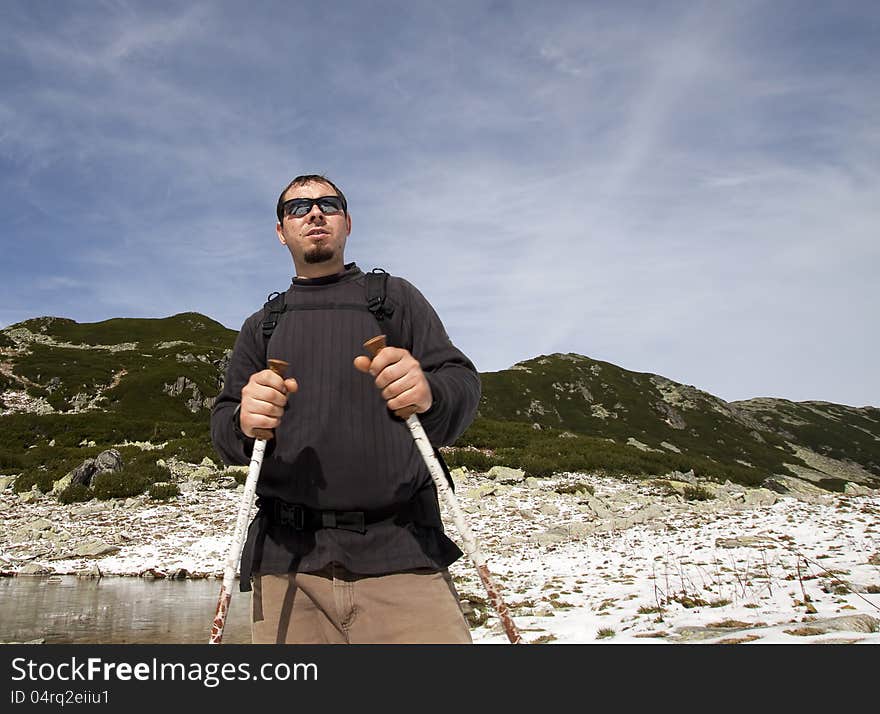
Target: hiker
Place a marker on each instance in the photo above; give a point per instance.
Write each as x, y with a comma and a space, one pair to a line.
347, 545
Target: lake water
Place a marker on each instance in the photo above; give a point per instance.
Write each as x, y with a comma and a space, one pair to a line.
117, 610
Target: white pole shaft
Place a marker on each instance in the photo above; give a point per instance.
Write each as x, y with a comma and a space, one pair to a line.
244, 513
235, 547
471, 545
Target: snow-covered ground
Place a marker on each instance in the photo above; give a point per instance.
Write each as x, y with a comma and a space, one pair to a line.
631, 562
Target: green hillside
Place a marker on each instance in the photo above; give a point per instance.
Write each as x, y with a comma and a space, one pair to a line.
70, 390
645, 423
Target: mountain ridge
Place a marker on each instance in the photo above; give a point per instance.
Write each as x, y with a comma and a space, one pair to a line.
133, 378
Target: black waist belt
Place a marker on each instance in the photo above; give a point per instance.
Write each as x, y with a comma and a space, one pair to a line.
302, 518
423, 510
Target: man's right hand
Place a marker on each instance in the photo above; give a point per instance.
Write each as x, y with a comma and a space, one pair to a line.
263, 400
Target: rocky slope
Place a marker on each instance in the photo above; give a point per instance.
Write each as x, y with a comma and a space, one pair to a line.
578, 557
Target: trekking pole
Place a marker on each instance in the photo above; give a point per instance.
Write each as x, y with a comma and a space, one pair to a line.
471, 546
244, 511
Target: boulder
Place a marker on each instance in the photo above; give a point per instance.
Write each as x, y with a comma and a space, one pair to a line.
481, 491
458, 474
844, 623
62, 483
557, 534
152, 574
35, 569
40, 524
504, 474
196, 401
851, 489
581, 530
109, 460
6, 482
647, 513
87, 509
202, 473
796, 487
686, 477
597, 507
95, 549
92, 571
760, 497
34, 494
548, 509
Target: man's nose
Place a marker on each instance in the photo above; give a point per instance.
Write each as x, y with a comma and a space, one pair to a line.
316, 214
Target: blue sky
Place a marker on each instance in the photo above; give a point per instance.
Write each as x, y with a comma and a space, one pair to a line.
689, 189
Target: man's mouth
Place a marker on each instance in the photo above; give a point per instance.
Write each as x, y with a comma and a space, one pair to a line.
318, 232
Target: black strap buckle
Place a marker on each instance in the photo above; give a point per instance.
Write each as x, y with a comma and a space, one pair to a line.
292, 515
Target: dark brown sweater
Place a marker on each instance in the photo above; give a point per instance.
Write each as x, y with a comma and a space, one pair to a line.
338, 446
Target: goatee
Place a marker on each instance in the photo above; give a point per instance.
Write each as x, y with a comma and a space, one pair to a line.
319, 254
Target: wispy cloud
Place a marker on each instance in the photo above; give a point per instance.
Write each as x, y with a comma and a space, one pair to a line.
688, 190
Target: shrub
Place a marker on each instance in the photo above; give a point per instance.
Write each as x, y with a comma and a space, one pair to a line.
75, 493
538, 466
10, 462
837, 485
119, 484
192, 450
131, 480
39, 477
163, 491
239, 476
471, 459
575, 488
604, 633
697, 493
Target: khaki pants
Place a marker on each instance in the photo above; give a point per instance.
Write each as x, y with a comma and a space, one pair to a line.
335, 606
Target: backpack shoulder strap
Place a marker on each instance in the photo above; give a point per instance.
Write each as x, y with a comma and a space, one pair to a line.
272, 311
376, 286
377, 281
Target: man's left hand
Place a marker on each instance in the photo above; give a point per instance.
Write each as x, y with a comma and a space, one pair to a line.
399, 375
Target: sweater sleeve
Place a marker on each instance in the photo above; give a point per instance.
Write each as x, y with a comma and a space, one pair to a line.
246, 359
454, 381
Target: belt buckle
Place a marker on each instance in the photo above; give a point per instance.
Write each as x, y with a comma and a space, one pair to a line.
292, 515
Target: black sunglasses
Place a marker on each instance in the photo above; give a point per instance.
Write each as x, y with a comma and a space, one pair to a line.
299, 207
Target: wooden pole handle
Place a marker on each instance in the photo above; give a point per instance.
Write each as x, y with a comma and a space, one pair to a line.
279, 367
375, 344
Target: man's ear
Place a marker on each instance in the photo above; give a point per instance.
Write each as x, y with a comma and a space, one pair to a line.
347, 223
280, 234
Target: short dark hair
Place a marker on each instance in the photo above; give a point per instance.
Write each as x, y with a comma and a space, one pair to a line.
302, 181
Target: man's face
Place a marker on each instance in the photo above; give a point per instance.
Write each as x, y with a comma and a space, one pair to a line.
316, 241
